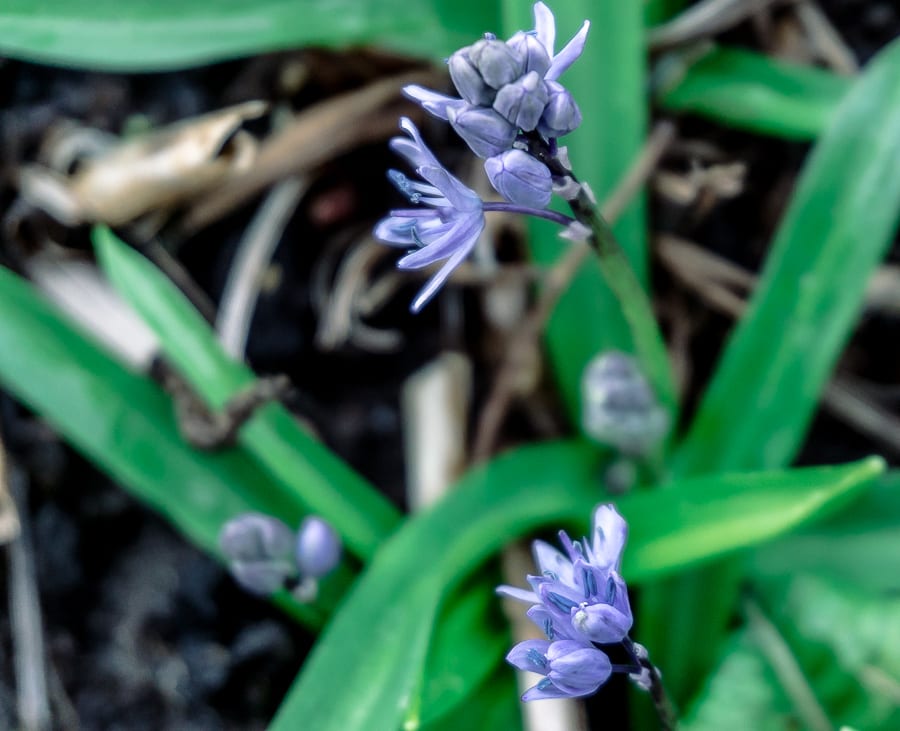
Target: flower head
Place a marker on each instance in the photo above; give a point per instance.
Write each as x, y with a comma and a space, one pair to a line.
446, 229
580, 601
571, 669
259, 550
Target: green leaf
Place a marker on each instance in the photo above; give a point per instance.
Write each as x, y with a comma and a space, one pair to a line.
838, 227
608, 84
145, 35
847, 642
742, 693
307, 470
860, 547
756, 411
494, 704
391, 609
749, 91
455, 667
125, 424
659, 11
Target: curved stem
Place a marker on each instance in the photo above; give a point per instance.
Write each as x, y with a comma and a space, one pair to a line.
559, 218
649, 346
661, 702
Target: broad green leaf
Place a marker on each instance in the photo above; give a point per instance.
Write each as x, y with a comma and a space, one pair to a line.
473, 638
144, 35
493, 705
306, 469
608, 84
750, 91
391, 609
125, 424
755, 413
859, 547
847, 642
742, 693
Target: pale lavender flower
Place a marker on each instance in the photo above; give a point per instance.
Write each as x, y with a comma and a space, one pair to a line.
485, 131
560, 114
571, 669
259, 551
619, 406
318, 547
522, 102
520, 178
545, 30
446, 229
580, 601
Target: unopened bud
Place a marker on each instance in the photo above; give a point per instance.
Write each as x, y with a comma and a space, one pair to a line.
522, 102
468, 81
619, 406
520, 178
497, 62
484, 131
318, 548
561, 113
259, 551
527, 47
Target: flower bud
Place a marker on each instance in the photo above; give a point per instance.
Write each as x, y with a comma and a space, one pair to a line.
561, 113
497, 62
527, 47
483, 130
522, 102
520, 178
619, 407
468, 81
318, 549
259, 552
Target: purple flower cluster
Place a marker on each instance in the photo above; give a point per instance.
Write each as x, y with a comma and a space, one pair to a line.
580, 601
264, 555
509, 88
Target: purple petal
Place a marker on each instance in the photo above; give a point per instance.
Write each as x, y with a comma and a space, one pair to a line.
545, 26
460, 236
544, 691
552, 562
457, 194
602, 623
530, 655
556, 628
609, 533
576, 668
396, 230
431, 101
435, 283
520, 595
569, 54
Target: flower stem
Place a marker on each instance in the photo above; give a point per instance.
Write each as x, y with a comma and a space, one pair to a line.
661, 702
649, 346
559, 218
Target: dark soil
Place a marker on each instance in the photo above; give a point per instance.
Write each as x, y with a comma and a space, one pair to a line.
142, 630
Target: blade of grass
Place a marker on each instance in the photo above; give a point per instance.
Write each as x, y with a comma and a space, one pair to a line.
608, 84
124, 423
756, 411
750, 91
305, 468
145, 35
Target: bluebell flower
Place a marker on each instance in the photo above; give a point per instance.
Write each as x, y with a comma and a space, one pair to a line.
619, 406
520, 178
260, 552
580, 601
490, 65
571, 669
318, 547
445, 229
